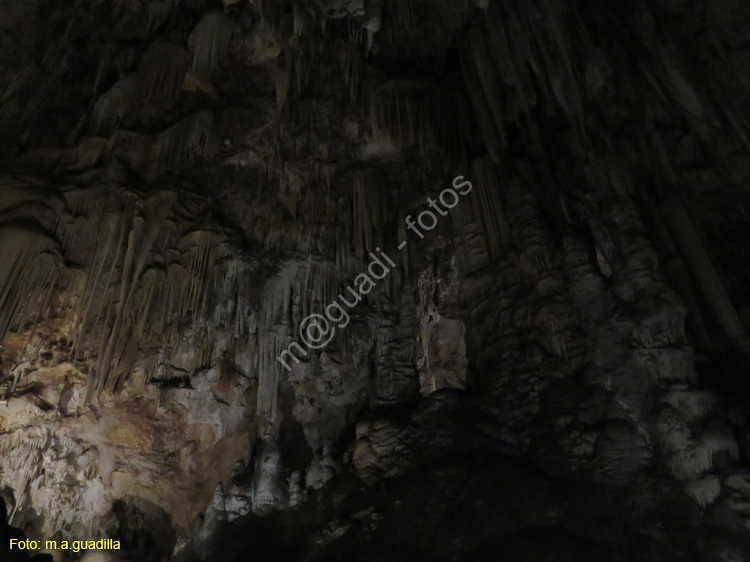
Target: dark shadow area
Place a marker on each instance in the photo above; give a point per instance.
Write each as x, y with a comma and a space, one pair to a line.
8, 533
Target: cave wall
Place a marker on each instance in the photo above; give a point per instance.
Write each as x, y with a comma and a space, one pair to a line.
184, 182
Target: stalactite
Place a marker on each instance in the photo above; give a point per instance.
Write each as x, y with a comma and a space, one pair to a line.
622, 450
161, 74
8, 302
421, 113
520, 38
718, 442
29, 262
488, 79
104, 367
352, 70
492, 137
564, 68
669, 364
270, 345
489, 205
471, 240
111, 108
194, 136
283, 72
605, 245
209, 41
355, 30
157, 13
705, 491
533, 262
506, 60
684, 93
302, 19
300, 71
400, 19
367, 218
734, 102
701, 267
549, 284
48, 282
125, 9
694, 405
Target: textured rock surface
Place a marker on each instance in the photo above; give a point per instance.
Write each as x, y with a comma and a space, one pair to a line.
556, 371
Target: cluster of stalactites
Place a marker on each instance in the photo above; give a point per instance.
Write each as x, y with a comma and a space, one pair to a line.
136, 276
29, 265
422, 113
524, 50
297, 291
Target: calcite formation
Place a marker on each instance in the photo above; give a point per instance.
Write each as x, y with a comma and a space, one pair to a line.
557, 368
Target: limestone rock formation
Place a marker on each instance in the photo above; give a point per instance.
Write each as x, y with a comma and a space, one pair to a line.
201, 359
